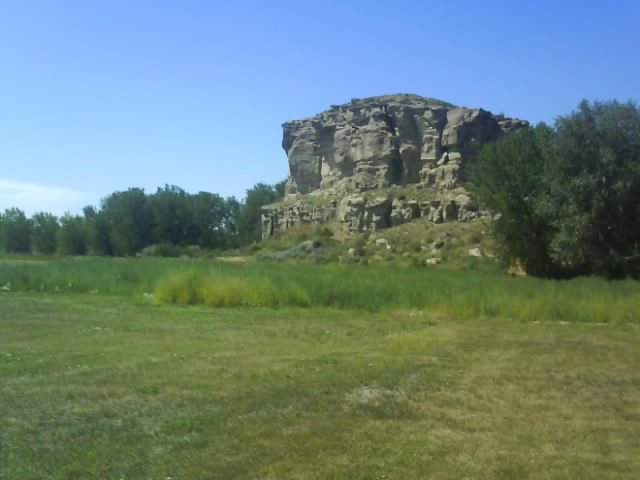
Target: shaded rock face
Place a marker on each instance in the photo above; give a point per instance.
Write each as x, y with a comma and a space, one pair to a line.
390, 140
357, 213
296, 213
382, 143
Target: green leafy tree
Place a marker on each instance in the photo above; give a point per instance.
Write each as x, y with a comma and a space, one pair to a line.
98, 231
212, 221
45, 231
567, 199
280, 188
508, 177
595, 189
73, 236
249, 220
15, 231
172, 215
130, 219
231, 218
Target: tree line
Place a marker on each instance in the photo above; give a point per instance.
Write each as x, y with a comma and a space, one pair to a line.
128, 221
566, 197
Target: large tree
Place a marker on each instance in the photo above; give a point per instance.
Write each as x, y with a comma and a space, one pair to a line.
99, 230
212, 220
509, 179
45, 230
172, 215
73, 236
131, 221
595, 189
15, 231
567, 200
249, 220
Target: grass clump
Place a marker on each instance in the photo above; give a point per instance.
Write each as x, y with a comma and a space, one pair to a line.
182, 289
191, 288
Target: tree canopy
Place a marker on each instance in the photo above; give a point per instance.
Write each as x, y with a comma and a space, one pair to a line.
567, 198
128, 221
250, 216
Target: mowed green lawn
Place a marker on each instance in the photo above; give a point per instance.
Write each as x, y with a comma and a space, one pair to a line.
99, 387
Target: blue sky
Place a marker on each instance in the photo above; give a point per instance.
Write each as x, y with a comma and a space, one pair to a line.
102, 95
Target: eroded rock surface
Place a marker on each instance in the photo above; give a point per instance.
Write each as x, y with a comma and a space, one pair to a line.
378, 143
388, 140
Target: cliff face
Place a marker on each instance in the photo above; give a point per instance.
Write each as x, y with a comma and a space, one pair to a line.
375, 144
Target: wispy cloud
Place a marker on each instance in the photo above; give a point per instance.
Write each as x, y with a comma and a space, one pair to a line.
32, 197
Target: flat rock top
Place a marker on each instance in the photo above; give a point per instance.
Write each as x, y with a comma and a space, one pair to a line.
396, 99
408, 99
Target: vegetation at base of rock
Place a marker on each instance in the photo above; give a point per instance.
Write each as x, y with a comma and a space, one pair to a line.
465, 294
567, 197
421, 243
95, 387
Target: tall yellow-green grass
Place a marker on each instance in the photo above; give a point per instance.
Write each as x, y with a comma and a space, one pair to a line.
189, 288
468, 294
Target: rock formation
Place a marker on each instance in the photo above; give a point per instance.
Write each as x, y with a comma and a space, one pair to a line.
341, 157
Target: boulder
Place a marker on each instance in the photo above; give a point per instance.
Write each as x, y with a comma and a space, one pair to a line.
383, 243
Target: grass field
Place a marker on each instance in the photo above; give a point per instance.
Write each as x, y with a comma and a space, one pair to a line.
463, 294
106, 386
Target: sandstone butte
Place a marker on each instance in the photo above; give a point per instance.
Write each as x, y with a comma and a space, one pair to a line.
382, 161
